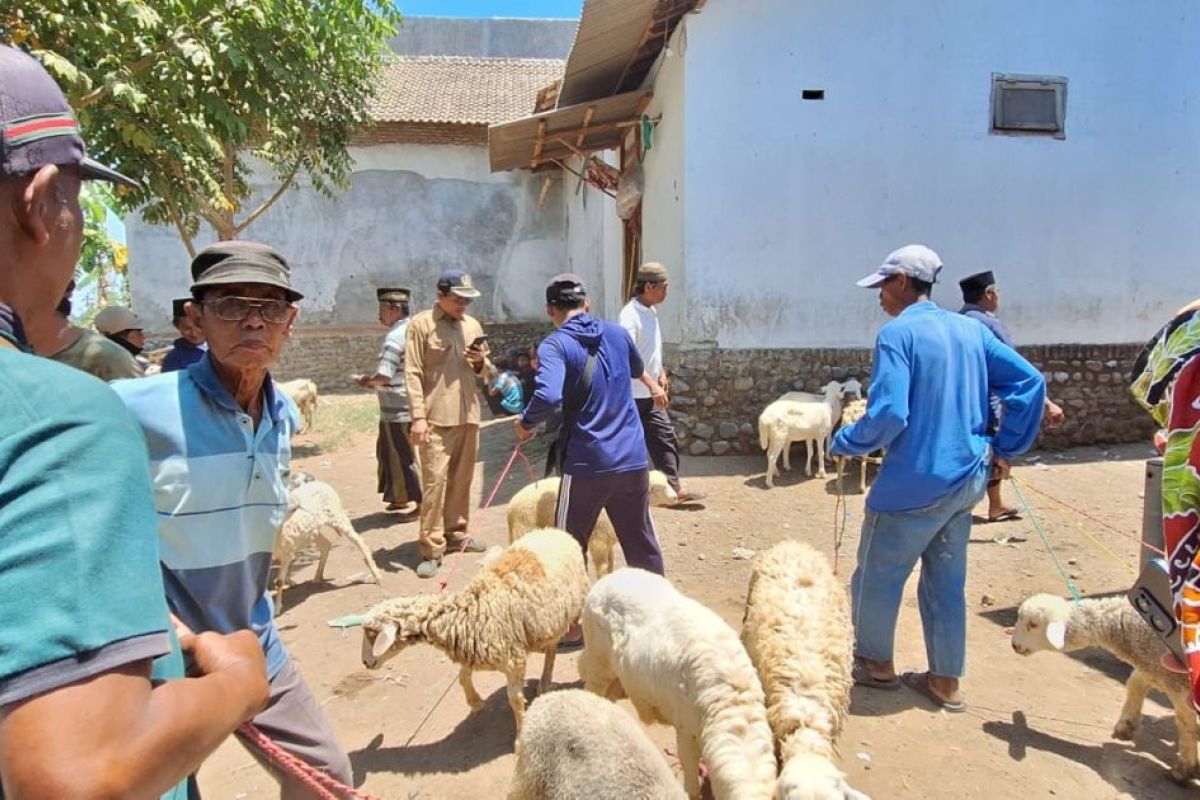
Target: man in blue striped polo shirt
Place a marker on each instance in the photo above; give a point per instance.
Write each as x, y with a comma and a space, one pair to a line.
220, 453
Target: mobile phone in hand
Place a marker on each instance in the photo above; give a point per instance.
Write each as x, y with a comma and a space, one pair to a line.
1151, 598
479, 342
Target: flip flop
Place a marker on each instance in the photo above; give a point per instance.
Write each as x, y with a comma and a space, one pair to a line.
1006, 514
863, 677
919, 682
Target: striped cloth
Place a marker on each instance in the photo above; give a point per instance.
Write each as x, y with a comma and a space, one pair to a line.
220, 490
1166, 382
393, 398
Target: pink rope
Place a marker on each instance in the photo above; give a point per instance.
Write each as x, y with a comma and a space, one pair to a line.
321, 784
444, 582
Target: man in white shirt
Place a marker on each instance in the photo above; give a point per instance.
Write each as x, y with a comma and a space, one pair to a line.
640, 318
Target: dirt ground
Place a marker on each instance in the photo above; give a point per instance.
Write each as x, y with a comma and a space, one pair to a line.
1036, 726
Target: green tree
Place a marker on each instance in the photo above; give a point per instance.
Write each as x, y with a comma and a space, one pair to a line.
188, 95
100, 273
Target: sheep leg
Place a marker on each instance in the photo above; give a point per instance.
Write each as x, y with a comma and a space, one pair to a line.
821, 457
1131, 712
547, 669
1187, 729
346, 530
787, 455
516, 693
324, 545
689, 761
468, 687
773, 451
862, 475
285, 566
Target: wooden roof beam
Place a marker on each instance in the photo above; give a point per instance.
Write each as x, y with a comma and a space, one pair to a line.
587, 119
539, 142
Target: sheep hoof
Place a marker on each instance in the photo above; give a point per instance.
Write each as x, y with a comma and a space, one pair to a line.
1125, 730
477, 706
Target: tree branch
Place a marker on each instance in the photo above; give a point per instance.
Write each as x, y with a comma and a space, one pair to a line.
284, 185
175, 218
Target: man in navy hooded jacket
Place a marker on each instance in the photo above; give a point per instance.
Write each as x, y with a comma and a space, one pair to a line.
603, 461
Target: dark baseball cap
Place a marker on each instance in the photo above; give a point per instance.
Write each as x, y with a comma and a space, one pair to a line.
37, 127
565, 289
241, 262
459, 282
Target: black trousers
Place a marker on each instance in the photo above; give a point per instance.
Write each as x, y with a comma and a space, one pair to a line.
661, 443
626, 498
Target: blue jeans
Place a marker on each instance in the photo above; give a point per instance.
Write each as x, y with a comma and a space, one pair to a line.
889, 548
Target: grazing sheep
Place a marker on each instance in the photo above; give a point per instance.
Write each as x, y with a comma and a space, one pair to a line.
797, 417
315, 516
304, 394
1048, 622
534, 507
681, 665
524, 601
576, 745
797, 632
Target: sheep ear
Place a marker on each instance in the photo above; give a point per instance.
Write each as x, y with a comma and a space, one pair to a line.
385, 639
1056, 634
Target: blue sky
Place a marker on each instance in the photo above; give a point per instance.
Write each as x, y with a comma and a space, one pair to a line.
561, 9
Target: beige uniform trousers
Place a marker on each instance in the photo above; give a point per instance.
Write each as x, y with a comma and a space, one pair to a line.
447, 467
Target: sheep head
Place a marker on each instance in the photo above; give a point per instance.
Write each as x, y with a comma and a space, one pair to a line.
832, 390
1041, 624
661, 493
390, 627
853, 387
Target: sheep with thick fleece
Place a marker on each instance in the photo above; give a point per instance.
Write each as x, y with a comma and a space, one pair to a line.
797, 632
522, 602
315, 516
1048, 622
577, 745
680, 664
852, 412
304, 394
534, 507
797, 417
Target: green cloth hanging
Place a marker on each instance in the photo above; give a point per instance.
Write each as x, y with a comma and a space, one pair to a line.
647, 137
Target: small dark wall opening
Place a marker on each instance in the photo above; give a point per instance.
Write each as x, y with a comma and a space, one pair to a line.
812, 94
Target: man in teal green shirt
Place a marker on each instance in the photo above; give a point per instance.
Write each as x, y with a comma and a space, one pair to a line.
82, 610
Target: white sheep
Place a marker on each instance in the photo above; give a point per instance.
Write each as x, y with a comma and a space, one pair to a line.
304, 394
1048, 622
522, 602
852, 412
576, 745
798, 417
680, 664
535, 505
797, 632
315, 516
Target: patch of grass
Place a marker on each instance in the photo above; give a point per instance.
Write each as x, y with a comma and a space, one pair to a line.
339, 417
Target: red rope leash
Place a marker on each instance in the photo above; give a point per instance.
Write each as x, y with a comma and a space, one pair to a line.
1094, 519
444, 582
320, 783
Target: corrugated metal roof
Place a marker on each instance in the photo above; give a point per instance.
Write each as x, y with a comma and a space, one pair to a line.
460, 90
610, 32
564, 132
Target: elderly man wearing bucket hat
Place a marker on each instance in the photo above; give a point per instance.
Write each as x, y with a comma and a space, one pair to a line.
81, 592
928, 408
220, 454
444, 351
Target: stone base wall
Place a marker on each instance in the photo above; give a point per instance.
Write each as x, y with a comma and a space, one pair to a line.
718, 394
330, 355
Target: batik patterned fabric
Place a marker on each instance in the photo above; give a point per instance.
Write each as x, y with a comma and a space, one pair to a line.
1166, 381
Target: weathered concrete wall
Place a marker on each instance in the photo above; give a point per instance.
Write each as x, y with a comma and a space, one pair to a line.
411, 211
717, 394
788, 201
495, 38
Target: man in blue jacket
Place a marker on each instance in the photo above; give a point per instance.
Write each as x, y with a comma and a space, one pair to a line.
587, 365
928, 408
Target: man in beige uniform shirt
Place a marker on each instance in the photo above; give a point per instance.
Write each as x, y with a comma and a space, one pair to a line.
444, 352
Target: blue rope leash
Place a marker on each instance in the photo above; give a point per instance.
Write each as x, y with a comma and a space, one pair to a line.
1037, 525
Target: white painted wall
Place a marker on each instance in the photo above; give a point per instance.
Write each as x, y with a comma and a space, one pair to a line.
410, 212
594, 239
663, 205
1094, 238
